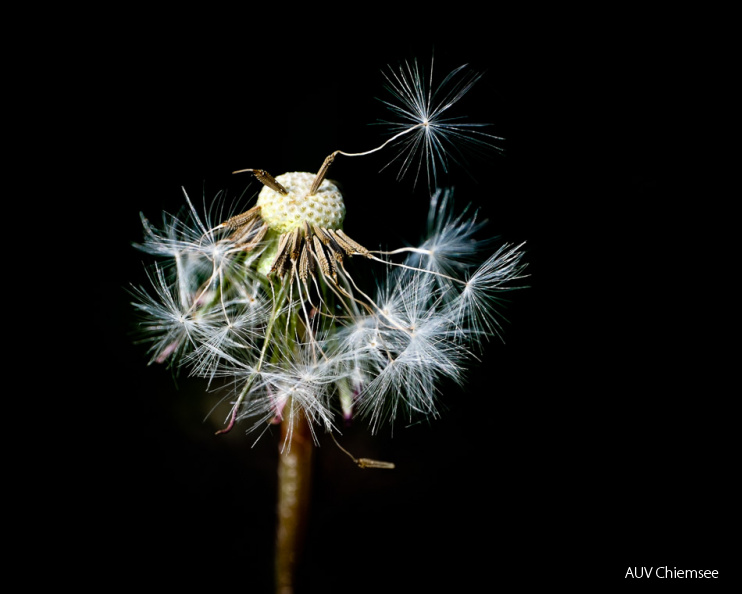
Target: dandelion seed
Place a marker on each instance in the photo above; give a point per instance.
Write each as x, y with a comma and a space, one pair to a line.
477, 307
165, 323
425, 135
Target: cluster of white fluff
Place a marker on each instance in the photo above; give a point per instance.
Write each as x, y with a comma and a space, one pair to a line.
374, 357
321, 345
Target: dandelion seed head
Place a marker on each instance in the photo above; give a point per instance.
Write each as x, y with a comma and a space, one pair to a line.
286, 212
263, 302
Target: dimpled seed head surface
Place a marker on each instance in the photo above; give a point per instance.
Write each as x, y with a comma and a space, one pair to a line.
285, 212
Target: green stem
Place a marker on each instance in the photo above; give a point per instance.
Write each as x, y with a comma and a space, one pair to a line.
294, 485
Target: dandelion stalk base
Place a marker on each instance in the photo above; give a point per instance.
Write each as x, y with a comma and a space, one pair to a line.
294, 485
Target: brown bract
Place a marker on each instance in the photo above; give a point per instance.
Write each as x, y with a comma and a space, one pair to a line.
304, 250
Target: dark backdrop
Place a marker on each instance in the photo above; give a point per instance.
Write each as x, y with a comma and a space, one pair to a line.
588, 441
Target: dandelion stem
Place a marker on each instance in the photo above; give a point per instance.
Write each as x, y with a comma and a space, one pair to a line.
263, 350
331, 157
381, 146
294, 482
433, 272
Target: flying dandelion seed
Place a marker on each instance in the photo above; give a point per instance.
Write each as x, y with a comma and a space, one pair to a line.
426, 134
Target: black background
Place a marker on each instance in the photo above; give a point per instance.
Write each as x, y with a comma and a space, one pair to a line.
592, 439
